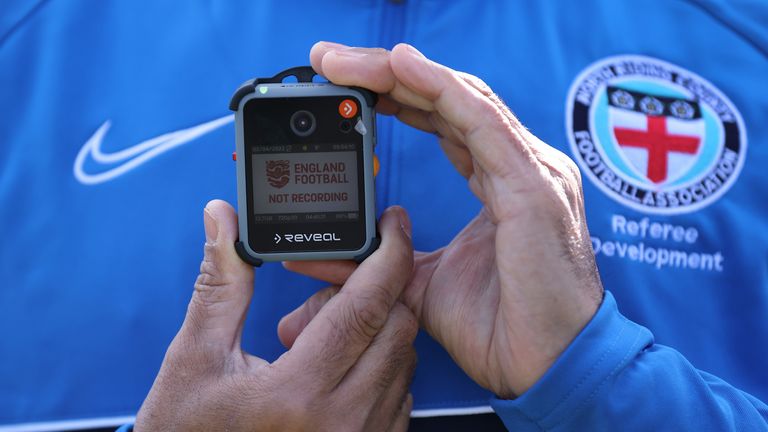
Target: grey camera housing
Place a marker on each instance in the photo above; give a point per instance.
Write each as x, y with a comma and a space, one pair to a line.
275, 88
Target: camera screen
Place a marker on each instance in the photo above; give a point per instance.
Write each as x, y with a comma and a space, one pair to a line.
306, 182
305, 173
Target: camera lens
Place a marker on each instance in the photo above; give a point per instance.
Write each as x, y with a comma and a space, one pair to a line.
303, 123
345, 126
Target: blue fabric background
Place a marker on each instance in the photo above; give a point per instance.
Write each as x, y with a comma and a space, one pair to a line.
94, 279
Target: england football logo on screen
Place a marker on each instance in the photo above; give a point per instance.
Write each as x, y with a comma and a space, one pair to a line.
654, 136
278, 173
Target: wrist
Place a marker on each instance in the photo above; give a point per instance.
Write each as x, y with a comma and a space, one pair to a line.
537, 342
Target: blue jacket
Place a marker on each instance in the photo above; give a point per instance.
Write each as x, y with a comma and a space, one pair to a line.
662, 103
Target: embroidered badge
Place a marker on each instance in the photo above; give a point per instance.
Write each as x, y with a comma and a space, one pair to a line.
654, 136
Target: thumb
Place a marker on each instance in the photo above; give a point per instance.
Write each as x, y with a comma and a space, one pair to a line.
224, 287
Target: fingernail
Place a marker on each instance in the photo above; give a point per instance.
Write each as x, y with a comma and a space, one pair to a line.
349, 52
405, 222
211, 227
413, 50
332, 44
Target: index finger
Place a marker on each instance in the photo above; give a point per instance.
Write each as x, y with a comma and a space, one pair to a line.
468, 107
344, 328
363, 67
494, 136
334, 272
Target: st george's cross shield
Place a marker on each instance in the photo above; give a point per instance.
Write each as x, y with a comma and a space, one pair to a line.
654, 136
659, 137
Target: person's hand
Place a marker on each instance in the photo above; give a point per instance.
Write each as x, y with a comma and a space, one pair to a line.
513, 289
348, 370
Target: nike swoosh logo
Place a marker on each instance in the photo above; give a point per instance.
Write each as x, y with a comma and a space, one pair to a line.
134, 156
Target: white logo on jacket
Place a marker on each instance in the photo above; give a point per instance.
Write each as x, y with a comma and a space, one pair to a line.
136, 155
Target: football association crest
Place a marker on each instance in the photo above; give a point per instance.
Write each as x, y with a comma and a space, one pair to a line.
654, 136
278, 173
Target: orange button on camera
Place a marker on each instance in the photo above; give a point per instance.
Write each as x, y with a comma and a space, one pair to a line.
347, 108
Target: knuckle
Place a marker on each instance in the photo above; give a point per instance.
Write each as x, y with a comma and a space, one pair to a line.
489, 108
484, 88
573, 171
208, 267
206, 290
210, 253
209, 282
488, 93
568, 178
369, 311
493, 117
477, 83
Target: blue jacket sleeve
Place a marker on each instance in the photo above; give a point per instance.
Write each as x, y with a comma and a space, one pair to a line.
613, 377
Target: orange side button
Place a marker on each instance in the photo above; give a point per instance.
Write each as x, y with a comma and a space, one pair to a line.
347, 108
